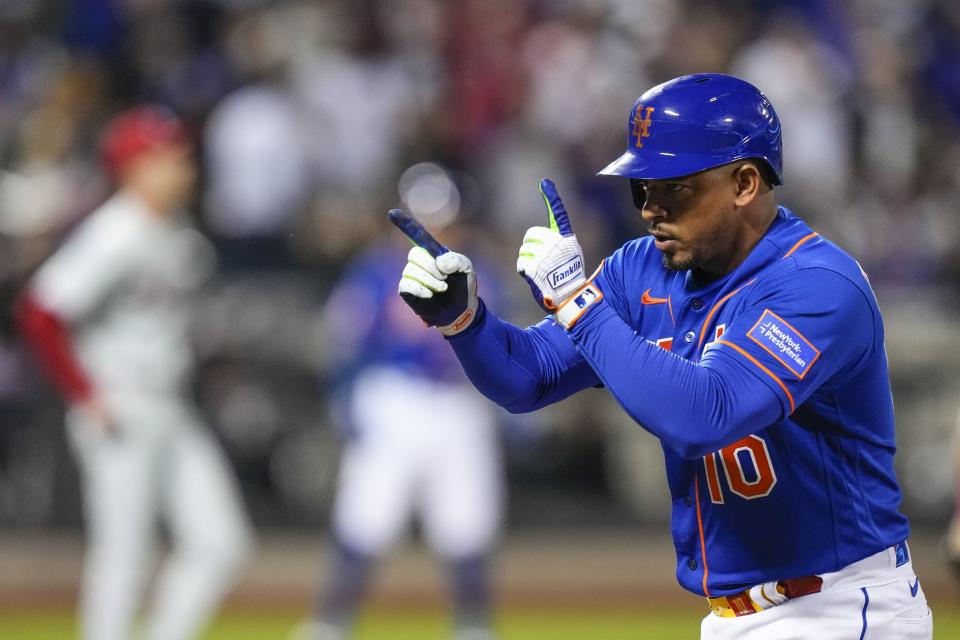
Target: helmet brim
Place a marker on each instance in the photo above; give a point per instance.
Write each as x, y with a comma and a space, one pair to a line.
660, 165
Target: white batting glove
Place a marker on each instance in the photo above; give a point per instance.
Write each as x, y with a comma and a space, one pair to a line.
441, 290
551, 260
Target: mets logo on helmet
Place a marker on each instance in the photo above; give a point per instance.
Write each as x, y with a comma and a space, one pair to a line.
641, 124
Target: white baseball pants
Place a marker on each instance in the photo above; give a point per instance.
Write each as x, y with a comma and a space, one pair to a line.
872, 599
164, 467
422, 447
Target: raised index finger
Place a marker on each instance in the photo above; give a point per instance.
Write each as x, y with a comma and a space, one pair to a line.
418, 235
559, 221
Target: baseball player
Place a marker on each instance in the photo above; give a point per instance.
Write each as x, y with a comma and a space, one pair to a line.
751, 346
436, 457
107, 314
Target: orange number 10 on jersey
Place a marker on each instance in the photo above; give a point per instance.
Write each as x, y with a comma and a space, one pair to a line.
746, 466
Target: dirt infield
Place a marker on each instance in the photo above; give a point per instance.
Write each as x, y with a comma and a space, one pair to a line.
619, 570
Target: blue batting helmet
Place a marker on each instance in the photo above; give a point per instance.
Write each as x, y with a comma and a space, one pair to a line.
697, 122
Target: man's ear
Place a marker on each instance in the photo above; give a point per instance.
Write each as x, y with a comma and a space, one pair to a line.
749, 183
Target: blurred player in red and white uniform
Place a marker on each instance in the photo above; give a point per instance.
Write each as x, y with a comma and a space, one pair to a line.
108, 316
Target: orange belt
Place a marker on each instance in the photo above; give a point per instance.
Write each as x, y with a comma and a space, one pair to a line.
742, 604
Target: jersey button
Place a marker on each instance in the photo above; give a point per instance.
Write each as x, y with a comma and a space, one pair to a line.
688, 501
696, 304
689, 336
692, 565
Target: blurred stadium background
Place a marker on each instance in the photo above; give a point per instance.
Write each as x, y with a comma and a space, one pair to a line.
315, 117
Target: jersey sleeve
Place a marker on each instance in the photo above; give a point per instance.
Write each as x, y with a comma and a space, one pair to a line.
798, 338
85, 269
522, 370
49, 338
735, 389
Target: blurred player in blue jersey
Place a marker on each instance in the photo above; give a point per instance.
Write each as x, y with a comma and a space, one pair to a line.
751, 346
418, 440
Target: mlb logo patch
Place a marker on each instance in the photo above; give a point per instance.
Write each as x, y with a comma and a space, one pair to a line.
902, 555
586, 297
784, 342
572, 309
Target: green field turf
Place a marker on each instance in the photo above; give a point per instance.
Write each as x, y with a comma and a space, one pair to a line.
512, 625
400, 626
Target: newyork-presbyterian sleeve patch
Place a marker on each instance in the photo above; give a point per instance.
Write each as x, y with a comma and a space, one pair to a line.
785, 343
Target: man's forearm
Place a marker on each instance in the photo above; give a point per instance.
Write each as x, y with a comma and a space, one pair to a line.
521, 370
48, 336
692, 408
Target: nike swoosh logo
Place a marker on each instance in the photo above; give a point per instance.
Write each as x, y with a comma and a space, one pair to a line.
914, 588
646, 298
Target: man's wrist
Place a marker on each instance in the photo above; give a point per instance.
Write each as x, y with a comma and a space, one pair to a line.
463, 321
573, 308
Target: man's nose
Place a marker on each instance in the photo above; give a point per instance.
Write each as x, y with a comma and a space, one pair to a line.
652, 210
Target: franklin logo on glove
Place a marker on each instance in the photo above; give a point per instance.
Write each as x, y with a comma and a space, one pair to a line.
571, 269
551, 260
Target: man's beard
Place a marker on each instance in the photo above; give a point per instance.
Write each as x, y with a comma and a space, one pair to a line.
670, 263
680, 265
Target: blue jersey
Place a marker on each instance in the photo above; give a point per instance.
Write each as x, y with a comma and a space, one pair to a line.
768, 389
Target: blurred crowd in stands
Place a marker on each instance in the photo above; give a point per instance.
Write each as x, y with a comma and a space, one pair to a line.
307, 114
